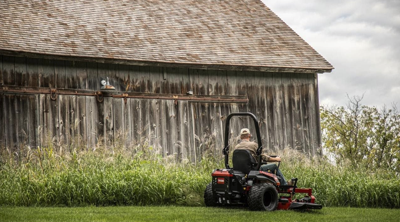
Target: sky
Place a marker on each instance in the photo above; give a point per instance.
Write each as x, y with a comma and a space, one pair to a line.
360, 38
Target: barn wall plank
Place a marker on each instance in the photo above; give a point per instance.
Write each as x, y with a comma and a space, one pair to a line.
125, 75
270, 112
70, 75
185, 84
287, 111
63, 121
213, 82
7, 119
203, 130
108, 122
305, 112
297, 117
318, 139
164, 128
243, 87
128, 123
81, 115
38, 127
15, 114
155, 126
232, 88
258, 94
156, 78
225, 111
139, 131
311, 106
60, 74
23, 110
50, 120
139, 79
102, 73
55, 117
119, 121
111, 71
134, 80
145, 120
11, 119
204, 82
198, 81
183, 130
144, 79
191, 156
1, 71
93, 82
46, 76
217, 135
172, 135
100, 124
32, 121
2, 122
279, 112
73, 122
92, 122
195, 129
136, 121
235, 125
214, 142
8, 71
121, 74
81, 75
173, 82
42, 120
20, 71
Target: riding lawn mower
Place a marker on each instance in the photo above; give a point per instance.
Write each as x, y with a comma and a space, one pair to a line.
247, 184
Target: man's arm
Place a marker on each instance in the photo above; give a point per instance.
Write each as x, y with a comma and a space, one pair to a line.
267, 158
274, 159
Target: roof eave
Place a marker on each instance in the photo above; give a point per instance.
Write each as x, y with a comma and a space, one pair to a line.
230, 67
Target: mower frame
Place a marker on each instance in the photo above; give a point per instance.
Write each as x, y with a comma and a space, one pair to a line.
258, 189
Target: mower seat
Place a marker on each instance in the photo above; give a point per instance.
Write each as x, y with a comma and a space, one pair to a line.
243, 161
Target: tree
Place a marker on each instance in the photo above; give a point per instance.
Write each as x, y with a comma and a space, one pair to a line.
365, 136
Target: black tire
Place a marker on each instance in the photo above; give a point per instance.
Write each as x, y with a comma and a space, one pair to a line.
209, 198
263, 197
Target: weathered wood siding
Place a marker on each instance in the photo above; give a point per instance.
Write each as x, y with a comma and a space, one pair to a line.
285, 103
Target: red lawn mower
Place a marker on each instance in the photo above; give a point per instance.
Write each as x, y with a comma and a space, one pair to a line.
246, 184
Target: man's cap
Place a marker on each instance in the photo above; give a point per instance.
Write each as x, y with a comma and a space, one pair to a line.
244, 131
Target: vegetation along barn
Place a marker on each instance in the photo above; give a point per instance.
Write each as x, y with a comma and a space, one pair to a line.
179, 67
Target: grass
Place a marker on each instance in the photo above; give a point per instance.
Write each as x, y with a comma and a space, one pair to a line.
49, 177
179, 213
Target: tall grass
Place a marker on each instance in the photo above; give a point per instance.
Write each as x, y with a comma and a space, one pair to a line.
344, 185
49, 177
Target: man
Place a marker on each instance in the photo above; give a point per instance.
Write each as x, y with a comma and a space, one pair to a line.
246, 144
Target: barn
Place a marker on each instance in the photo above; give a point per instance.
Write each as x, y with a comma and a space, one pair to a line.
178, 68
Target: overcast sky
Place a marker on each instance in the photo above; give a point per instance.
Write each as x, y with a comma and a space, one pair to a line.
360, 38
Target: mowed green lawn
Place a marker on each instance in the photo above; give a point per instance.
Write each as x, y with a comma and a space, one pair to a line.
174, 213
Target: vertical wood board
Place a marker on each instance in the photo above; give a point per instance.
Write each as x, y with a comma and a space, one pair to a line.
8, 71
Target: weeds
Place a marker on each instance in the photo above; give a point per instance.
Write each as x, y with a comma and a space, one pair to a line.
140, 176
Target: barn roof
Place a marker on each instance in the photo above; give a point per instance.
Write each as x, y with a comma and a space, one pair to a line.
242, 34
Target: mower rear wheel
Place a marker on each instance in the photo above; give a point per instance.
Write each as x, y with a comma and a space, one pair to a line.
209, 198
263, 197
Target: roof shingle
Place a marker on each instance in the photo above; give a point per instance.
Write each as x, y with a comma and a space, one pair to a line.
241, 33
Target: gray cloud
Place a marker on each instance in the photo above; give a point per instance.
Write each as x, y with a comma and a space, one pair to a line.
361, 38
